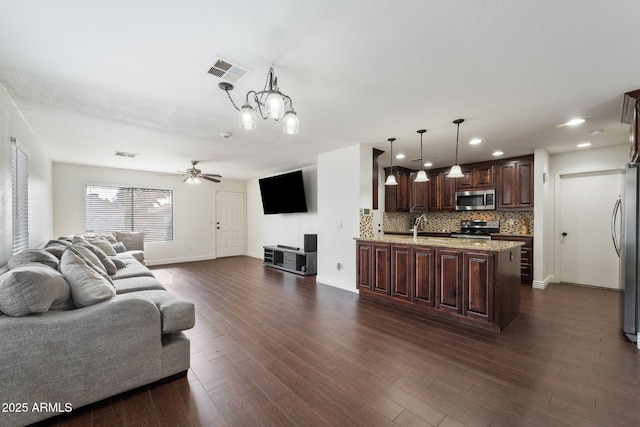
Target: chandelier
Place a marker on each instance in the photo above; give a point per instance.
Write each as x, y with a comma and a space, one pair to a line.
270, 103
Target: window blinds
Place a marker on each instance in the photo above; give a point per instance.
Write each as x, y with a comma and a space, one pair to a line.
110, 208
20, 197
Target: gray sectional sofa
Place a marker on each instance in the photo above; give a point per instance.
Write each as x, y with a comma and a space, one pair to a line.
80, 323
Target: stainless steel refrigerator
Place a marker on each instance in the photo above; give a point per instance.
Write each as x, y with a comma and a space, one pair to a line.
626, 244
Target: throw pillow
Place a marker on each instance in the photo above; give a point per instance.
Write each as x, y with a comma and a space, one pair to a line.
32, 289
118, 263
29, 256
133, 240
119, 247
103, 244
55, 250
105, 261
91, 259
88, 287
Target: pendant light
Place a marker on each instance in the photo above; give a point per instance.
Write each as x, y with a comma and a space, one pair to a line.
455, 171
422, 174
391, 179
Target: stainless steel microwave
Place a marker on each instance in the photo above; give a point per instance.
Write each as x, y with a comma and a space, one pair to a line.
478, 200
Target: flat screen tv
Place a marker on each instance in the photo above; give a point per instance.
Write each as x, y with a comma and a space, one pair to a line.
283, 193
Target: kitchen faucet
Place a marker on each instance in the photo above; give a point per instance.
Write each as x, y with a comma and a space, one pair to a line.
416, 225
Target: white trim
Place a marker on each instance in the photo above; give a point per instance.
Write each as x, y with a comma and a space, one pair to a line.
178, 260
536, 284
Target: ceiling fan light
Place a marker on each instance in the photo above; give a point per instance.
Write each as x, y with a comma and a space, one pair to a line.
421, 176
290, 124
247, 117
274, 105
455, 172
194, 180
391, 180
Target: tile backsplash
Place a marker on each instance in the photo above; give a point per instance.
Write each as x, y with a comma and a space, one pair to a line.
511, 222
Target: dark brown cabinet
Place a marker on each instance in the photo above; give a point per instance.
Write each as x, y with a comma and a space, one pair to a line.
478, 283
424, 275
373, 264
526, 256
401, 272
449, 279
441, 192
397, 197
477, 176
515, 183
419, 194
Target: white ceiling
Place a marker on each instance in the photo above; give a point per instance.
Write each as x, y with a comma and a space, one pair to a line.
95, 77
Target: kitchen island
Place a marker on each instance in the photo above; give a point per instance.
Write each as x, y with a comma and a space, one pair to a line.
467, 281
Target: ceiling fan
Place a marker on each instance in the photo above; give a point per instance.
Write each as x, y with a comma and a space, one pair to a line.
194, 176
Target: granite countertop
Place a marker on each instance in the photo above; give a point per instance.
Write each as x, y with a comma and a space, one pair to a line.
447, 242
424, 232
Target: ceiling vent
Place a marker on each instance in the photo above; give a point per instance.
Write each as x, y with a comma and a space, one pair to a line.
124, 154
228, 71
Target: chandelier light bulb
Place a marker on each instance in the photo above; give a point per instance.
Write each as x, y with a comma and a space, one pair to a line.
274, 106
290, 124
391, 180
421, 177
247, 117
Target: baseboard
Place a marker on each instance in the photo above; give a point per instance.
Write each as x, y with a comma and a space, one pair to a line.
351, 287
178, 260
258, 255
537, 284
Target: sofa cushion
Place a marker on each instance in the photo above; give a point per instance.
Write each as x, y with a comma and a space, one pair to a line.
176, 314
55, 249
107, 235
132, 270
33, 288
135, 284
133, 240
29, 256
88, 287
118, 263
119, 247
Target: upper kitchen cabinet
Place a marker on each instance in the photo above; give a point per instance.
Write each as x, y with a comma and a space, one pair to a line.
477, 176
515, 183
631, 115
441, 192
419, 195
397, 197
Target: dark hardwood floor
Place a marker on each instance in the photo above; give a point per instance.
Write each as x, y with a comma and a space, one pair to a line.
275, 349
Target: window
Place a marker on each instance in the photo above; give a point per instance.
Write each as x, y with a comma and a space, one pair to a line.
19, 197
130, 209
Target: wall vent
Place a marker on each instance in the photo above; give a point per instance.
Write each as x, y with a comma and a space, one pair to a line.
228, 71
125, 154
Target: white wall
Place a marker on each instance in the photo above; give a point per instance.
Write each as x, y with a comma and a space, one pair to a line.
194, 208
13, 125
543, 228
281, 229
344, 186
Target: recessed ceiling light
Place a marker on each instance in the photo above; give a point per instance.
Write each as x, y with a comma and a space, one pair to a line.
475, 141
498, 153
596, 132
583, 145
428, 165
400, 156
124, 154
575, 122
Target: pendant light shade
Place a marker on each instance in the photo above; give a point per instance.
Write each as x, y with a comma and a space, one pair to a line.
290, 124
456, 171
247, 117
391, 179
421, 176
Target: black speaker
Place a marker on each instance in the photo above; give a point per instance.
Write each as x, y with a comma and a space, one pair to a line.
311, 243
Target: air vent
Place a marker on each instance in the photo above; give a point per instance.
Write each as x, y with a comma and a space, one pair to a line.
227, 71
124, 154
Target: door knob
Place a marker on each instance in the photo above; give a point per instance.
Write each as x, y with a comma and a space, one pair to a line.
564, 234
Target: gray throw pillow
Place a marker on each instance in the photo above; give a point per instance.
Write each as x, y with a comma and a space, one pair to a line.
88, 287
106, 262
119, 247
32, 289
133, 240
91, 259
55, 249
103, 244
118, 263
29, 256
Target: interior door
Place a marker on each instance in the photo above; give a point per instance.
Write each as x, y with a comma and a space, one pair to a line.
584, 245
230, 224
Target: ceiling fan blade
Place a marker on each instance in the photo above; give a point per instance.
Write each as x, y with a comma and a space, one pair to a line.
210, 179
212, 175
185, 178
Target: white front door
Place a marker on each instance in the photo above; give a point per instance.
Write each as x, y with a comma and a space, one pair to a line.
583, 236
230, 224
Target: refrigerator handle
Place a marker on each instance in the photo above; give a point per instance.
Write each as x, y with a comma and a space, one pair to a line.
614, 216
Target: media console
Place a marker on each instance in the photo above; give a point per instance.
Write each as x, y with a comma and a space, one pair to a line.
291, 259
